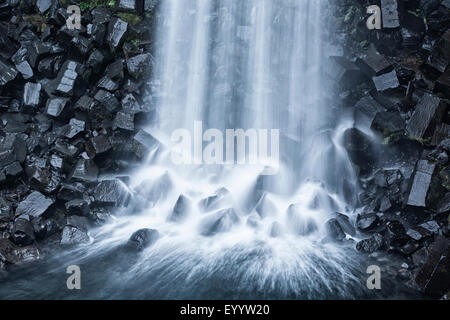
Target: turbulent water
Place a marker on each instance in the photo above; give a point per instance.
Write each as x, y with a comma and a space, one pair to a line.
240, 234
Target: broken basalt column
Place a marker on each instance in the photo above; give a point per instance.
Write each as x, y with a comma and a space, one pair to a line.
219, 222
116, 31
427, 114
421, 184
386, 81
373, 64
34, 205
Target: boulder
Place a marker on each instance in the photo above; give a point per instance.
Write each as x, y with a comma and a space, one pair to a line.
12, 148
373, 64
372, 244
72, 236
116, 31
219, 222
386, 81
366, 221
427, 115
31, 94
77, 207
265, 207
365, 111
180, 210
57, 107
7, 73
137, 65
35, 205
111, 192
433, 277
345, 223
143, 238
85, 170
389, 12
23, 233
67, 76
421, 184
124, 121
142, 143
12, 254
334, 230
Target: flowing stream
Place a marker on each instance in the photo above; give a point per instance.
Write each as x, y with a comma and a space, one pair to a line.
237, 232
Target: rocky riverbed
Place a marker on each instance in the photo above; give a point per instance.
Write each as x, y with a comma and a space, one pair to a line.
73, 104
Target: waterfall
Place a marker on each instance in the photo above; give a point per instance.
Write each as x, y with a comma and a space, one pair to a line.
229, 230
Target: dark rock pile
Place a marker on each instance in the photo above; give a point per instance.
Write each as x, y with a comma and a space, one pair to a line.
71, 105
396, 83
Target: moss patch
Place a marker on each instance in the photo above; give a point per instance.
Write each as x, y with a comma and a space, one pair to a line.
130, 18
88, 5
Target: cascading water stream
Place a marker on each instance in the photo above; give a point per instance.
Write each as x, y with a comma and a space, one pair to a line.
253, 64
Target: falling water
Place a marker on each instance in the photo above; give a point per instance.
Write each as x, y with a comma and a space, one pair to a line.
235, 233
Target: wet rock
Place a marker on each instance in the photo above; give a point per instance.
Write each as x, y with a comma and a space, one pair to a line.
388, 122
79, 222
420, 256
77, 207
360, 149
421, 184
81, 45
418, 233
343, 72
143, 238
265, 207
180, 210
107, 84
131, 105
107, 100
44, 228
71, 191
57, 107
253, 221
22, 232
12, 254
72, 236
35, 205
427, 114
74, 127
275, 229
31, 94
21, 64
137, 65
127, 4
49, 67
366, 221
373, 64
396, 233
67, 76
7, 73
389, 10
13, 170
212, 202
386, 81
116, 31
334, 230
345, 223
43, 5
433, 277
85, 103
372, 244
85, 170
365, 111
143, 143
300, 223
45, 180
124, 121
98, 145
12, 148
115, 70
442, 84
431, 226
219, 222
95, 60
112, 192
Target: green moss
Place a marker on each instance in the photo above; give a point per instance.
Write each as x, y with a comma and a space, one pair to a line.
88, 5
130, 18
37, 20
